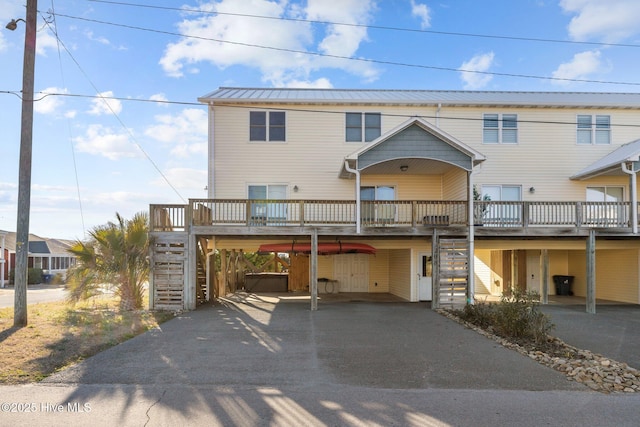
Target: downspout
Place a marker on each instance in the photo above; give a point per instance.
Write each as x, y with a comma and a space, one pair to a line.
634, 198
471, 280
357, 172
438, 115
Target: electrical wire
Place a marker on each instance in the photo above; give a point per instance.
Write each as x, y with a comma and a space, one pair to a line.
348, 58
132, 138
307, 110
54, 30
368, 26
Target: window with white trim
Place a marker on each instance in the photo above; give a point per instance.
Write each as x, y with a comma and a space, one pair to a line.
266, 126
268, 208
504, 213
594, 129
500, 128
374, 211
605, 214
362, 127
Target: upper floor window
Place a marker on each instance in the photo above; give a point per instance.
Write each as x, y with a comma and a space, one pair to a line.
266, 126
594, 129
362, 127
500, 129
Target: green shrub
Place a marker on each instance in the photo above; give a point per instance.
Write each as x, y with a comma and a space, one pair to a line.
516, 317
34, 276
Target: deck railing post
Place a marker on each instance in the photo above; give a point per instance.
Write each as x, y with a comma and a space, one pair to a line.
301, 212
578, 214
525, 214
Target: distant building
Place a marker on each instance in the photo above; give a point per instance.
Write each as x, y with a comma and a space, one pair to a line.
50, 255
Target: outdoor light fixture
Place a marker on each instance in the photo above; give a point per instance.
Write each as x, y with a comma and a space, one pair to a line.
295, 188
13, 24
404, 168
532, 190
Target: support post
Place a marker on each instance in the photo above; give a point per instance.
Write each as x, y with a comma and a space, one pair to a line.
591, 272
2, 258
471, 256
435, 270
191, 274
545, 276
224, 279
313, 270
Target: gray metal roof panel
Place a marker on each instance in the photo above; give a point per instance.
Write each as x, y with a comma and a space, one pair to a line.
629, 152
451, 97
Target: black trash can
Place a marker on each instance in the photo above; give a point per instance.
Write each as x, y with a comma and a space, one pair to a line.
563, 284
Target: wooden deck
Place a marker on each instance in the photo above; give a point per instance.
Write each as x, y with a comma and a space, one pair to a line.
244, 217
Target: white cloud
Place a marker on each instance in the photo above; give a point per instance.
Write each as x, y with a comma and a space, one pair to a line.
480, 63
609, 21
580, 67
50, 104
161, 98
45, 41
321, 83
184, 178
187, 131
103, 105
280, 65
422, 12
102, 141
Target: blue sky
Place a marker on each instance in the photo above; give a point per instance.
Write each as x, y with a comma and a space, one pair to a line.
94, 156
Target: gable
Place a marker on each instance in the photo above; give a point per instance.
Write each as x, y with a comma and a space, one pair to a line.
414, 142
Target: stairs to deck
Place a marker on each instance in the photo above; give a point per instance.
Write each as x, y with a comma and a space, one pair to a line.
453, 272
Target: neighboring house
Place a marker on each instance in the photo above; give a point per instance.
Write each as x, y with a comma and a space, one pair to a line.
554, 175
50, 255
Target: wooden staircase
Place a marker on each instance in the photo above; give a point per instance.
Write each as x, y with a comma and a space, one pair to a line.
453, 272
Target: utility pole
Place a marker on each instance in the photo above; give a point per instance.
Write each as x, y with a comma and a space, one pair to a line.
24, 178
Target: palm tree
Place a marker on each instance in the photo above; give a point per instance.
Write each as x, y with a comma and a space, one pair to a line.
116, 254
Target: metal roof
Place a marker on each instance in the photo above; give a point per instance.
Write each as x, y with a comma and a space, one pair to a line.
611, 163
423, 97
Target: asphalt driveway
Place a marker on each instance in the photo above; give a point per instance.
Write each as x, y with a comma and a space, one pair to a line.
276, 341
269, 361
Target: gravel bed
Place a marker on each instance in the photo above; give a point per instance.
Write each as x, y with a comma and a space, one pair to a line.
595, 371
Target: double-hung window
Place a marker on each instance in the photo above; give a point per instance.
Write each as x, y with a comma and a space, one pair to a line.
362, 127
500, 129
594, 129
267, 126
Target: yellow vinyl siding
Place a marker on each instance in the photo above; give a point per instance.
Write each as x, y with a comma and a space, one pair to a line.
400, 273
379, 271
616, 274
315, 147
409, 187
482, 264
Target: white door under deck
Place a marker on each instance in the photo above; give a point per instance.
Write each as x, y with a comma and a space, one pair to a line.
425, 273
352, 272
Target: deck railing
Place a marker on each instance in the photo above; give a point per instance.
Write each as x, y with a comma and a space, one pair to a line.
398, 213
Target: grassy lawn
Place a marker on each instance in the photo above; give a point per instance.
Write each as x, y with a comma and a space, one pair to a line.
59, 334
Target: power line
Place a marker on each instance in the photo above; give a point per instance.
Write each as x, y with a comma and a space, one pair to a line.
367, 60
316, 110
368, 26
54, 29
131, 136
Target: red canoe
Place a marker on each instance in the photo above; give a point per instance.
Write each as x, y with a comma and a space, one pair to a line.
323, 248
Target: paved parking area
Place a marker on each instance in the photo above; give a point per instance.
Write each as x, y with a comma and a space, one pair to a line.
274, 341
269, 361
